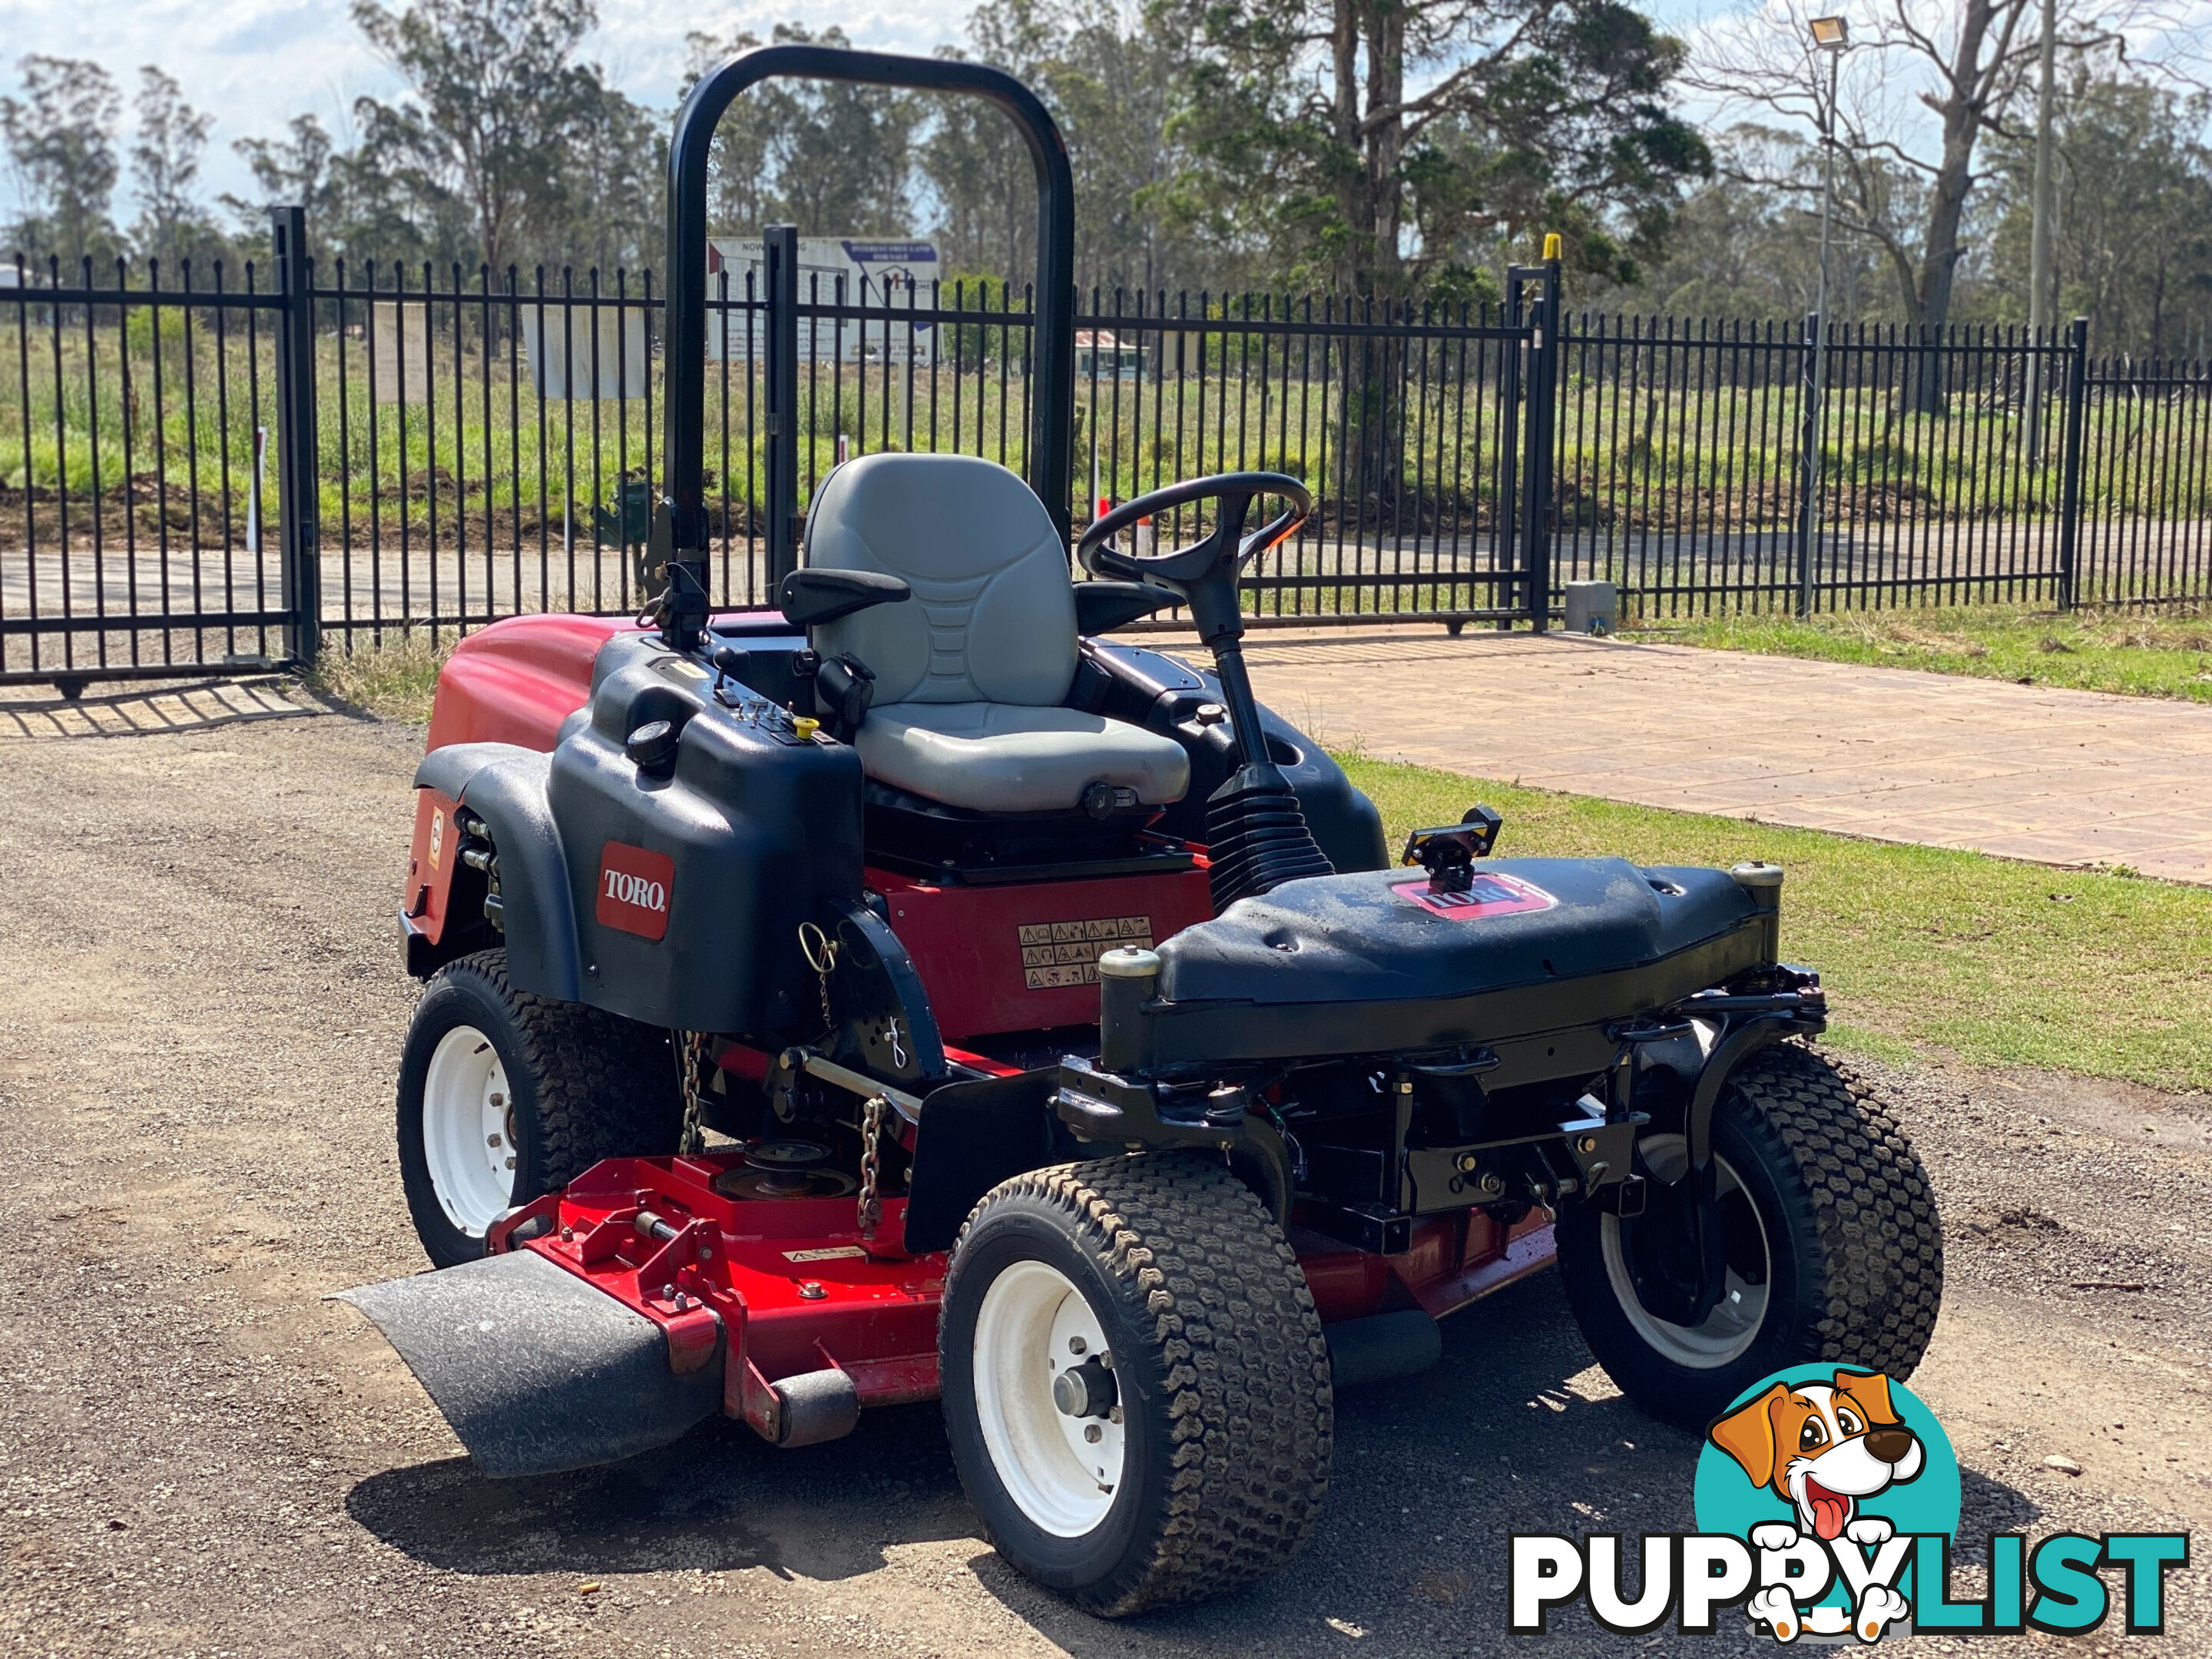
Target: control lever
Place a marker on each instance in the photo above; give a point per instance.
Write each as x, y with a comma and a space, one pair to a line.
729, 664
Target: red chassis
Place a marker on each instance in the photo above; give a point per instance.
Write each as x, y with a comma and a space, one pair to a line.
791, 1282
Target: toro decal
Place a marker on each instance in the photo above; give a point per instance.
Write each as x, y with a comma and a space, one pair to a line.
1488, 895
635, 890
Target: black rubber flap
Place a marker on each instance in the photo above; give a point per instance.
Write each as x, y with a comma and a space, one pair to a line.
537, 1370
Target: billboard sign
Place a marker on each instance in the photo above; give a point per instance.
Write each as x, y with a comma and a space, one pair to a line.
881, 277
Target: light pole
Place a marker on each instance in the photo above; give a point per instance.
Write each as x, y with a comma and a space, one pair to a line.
1830, 35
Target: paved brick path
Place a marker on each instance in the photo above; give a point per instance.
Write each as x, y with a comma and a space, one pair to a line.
2063, 777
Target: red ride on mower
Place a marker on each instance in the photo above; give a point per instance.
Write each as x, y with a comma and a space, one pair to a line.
1069, 1046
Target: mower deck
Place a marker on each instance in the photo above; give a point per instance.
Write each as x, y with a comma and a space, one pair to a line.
757, 1294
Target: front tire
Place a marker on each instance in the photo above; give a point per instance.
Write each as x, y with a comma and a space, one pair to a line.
505, 1096
1835, 1251
1195, 1459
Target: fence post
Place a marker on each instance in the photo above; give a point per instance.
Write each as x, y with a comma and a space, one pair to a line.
1809, 457
2070, 488
298, 488
1508, 545
779, 279
1536, 513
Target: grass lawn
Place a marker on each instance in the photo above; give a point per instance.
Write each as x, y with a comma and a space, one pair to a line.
2153, 654
1924, 951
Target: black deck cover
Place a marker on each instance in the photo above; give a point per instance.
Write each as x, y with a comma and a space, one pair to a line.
1556, 940
1357, 938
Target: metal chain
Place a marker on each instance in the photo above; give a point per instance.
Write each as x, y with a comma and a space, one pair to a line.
872, 1163
691, 1057
821, 953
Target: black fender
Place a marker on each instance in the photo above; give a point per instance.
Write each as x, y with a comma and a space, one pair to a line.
972, 1135
505, 785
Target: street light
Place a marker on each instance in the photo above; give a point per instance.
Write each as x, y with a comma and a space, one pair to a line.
1830, 35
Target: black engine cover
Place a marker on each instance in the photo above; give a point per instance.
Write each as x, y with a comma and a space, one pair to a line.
1375, 961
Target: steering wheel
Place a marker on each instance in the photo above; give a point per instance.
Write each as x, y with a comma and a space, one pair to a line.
1204, 575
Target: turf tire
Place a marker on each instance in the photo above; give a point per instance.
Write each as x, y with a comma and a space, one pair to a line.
1223, 1375
1856, 1248
586, 1085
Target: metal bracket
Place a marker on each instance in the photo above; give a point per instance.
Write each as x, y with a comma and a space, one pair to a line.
1730, 1051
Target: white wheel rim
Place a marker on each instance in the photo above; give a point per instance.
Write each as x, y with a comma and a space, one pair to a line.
1027, 1333
468, 1130
1733, 1324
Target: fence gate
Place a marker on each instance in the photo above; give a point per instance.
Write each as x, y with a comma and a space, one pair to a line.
204, 471
143, 430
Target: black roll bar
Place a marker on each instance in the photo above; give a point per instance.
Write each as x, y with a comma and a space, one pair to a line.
680, 533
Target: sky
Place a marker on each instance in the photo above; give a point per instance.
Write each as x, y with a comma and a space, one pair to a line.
254, 64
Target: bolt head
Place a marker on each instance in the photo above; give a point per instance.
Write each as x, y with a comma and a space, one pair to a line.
1093, 1433
810, 1291
1587, 1144
1077, 1344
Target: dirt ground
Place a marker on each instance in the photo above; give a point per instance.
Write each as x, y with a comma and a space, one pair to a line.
200, 1008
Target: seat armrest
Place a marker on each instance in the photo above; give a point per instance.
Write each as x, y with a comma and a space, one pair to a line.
810, 597
1102, 607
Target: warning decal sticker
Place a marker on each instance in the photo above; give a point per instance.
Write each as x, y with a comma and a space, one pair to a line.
1490, 895
1057, 953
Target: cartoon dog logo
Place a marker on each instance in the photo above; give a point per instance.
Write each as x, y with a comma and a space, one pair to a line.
1823, 1448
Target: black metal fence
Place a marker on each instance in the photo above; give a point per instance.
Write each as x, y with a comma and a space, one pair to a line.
203, 469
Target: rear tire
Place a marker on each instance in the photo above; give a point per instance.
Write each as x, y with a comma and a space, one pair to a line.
556, 1085
1215, 1473
1830, 1192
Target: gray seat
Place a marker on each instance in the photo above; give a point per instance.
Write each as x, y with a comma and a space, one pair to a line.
971, 672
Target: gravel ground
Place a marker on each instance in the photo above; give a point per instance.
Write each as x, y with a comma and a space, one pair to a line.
200, 1011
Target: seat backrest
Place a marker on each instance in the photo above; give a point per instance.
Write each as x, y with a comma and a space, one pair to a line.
993, 615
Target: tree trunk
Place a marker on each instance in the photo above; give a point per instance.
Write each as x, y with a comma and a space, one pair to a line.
1373, 422
1961, 110
1386, 141
1353, 200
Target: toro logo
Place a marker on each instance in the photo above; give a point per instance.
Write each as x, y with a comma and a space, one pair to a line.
635, 888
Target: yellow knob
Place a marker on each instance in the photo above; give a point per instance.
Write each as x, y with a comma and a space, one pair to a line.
806, 727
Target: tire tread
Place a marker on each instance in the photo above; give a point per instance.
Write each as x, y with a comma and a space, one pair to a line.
1879, 1240
606, 1085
